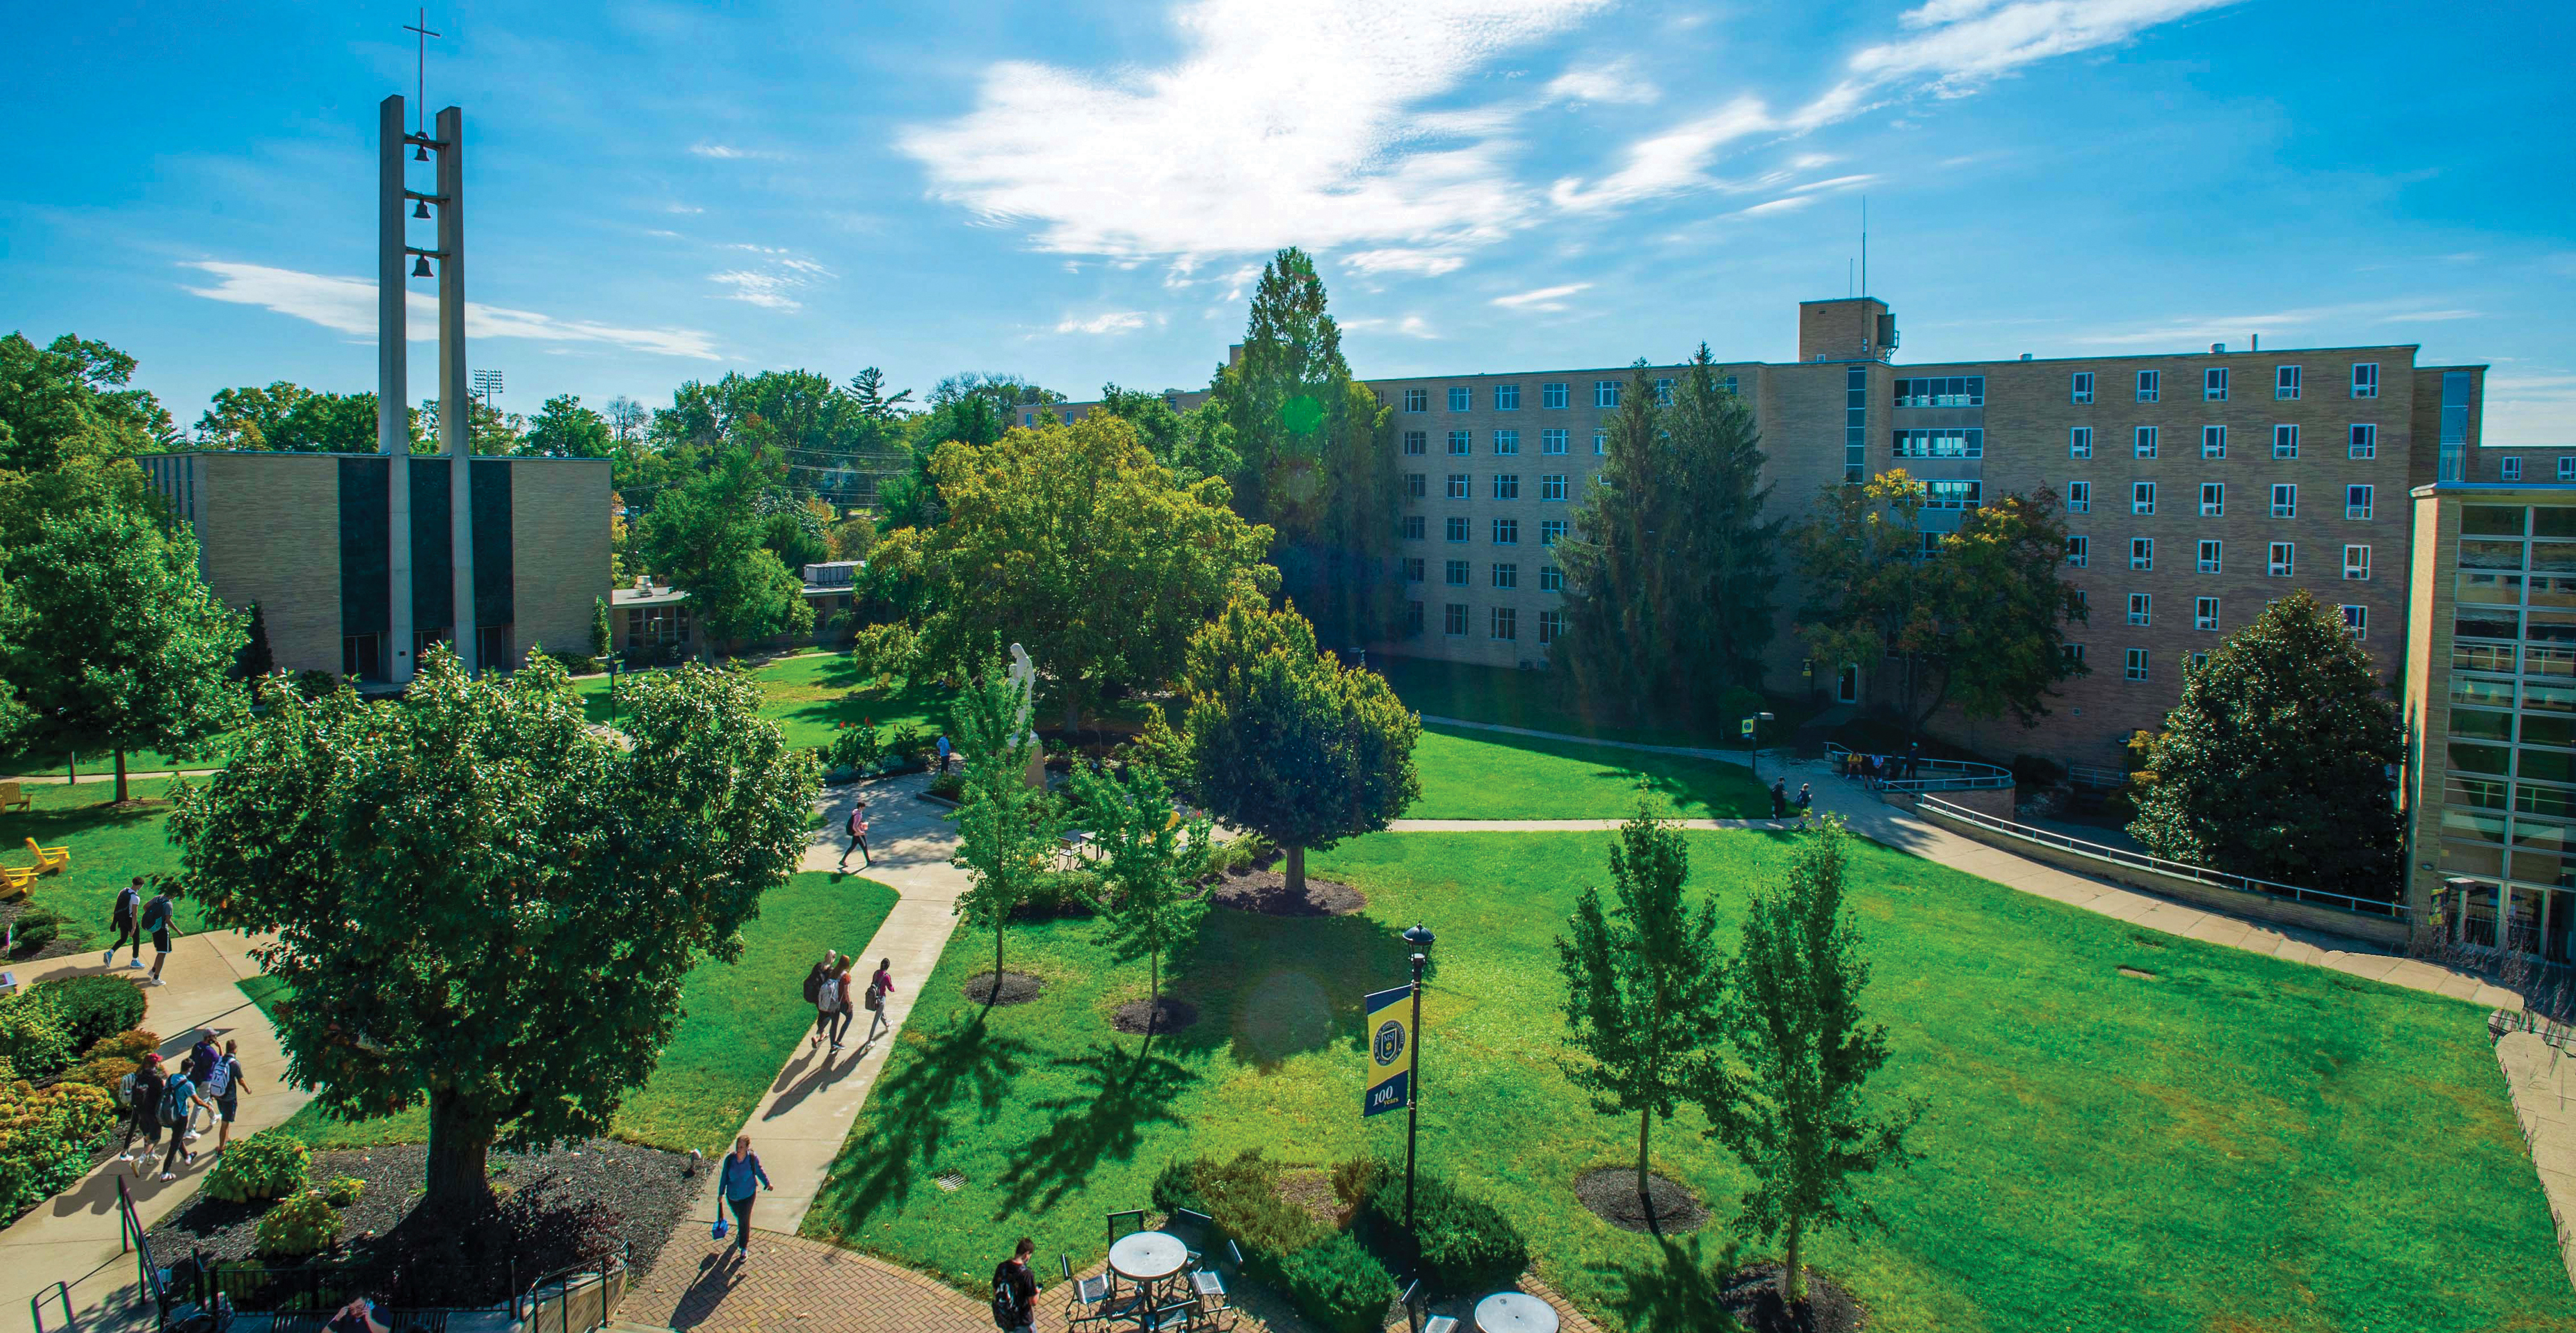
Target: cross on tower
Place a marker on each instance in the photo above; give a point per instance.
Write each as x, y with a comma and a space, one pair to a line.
420, 106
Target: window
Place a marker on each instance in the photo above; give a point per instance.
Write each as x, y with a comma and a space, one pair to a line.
2077, 549
2079, 497
1457, 486
2356, 502
1507, 398
1507, 576
1551, 531
2213, 385
2142, 553
1413, 569
1552, 441
2513, 469
2356, 563
1507, 442
1507, 486
2210, 553
2365, 379
2285, 441
1663, 393
2144, 443
2285, 382
2213, 499
1454, 529
1855, 425
2566, 468
1455, 574
2134, 664
2079, 442
2280, 562
1551, 579
2081, 387
1507, 532
1461, 443
1551, 395
2142, 497
1931, 548
1417, 442
2139, 605
2204, 613
1551, 627
2150, 383
2285, 500
1952, 494
1453, 619
1068, 418
2365, 442
1413, 619
1413, 527
1605, 393
1505, 623
1417, 400
1942, 391
1600, 443
2357, 619
1461, 398
1551, 486
1954, 443
2213, 442
2199, 660
2072, 652
1415, 485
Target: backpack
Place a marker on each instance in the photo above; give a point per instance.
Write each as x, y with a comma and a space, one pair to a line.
876, 998
174, 1101
1006, 1302
221, 1076
128, 902
125, 1089
814, 985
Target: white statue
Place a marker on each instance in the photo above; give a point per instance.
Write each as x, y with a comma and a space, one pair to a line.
1024, 674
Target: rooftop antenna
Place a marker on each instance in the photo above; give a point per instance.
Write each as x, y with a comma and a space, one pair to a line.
421, 101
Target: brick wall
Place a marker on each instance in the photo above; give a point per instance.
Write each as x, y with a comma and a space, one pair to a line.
559, 529
269, 529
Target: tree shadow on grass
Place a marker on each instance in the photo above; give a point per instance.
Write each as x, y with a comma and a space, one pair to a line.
1120, 1094
1269, 987
913, 1110
1678, 1291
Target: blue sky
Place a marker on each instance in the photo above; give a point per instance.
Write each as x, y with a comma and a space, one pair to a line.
1077, 192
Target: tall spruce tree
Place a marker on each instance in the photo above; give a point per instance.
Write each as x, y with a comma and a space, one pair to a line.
2277, 761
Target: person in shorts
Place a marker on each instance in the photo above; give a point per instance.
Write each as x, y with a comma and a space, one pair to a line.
156, 922
224, 1085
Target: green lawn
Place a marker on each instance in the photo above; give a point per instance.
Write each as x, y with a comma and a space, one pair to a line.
1529, 699
740, 1022
1470, 774
2240, 1143
109, 847
809, 697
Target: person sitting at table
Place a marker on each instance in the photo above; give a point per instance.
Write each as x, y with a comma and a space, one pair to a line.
1015, 1290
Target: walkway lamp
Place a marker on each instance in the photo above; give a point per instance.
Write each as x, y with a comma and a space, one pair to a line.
1420, 937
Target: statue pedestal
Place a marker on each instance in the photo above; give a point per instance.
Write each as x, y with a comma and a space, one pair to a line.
1037, 767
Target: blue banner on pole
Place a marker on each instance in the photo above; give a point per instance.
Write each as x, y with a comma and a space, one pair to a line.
1390, 1035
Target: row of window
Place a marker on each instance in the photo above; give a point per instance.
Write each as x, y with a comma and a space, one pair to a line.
2133, 661
2361, 440
2280, 559
2510, 468
1507, 531
2288, 384
1501, 574
1507, 397
2204, 614
1501, 622
2358, 501
1507, 486
1506, 442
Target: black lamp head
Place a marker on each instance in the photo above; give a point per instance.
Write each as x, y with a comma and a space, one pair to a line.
1419, 936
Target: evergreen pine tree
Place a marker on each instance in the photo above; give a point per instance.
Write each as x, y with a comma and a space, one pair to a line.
256, 660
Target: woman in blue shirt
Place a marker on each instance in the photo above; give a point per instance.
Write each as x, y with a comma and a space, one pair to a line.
736, 1180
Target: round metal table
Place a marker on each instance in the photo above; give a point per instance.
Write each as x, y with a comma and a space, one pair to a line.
1514, 1312
1148, 1257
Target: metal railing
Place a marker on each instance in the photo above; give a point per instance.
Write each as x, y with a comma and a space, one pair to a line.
2101, 779
2177, 869
1943, 774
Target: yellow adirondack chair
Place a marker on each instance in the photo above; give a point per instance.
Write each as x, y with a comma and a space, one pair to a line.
15, 797
49, 859
14, 882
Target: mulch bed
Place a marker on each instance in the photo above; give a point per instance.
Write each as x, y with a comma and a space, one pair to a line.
1753, 1296
1266, 892
1313, 1191
555, 1208
1171, 1016
60, 945
1611, 1193
1017, 988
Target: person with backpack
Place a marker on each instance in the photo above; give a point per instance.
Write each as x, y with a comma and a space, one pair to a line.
200, 1067
1015, 1290
814, 990
223, 1084
740, 1181
1780, 798
858, 831
879, 987
827, 1002
1806, 798
849, 997
178, 1102
141, 1093
156, 921
126, 917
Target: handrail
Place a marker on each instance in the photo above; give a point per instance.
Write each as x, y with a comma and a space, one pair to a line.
36, 1310
2178, 869
1970, 775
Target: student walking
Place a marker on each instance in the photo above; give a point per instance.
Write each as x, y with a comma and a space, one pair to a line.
224, 1086
1806, 798
127, 918
740, 1181
879, 987
858, 831
1015, 1290
1779, 798
156, 922
849, 1001
945, 749
142, 1096
827, 998
178, 1102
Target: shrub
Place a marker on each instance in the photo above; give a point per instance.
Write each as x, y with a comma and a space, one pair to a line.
908, 743
1354, 1178
1242, 1196
46, 1137
107, 1063
885, 651
1243, 852
33, 930
949, 786
1464, 1241
316, 684
92, 1008
33, 1037
344, 1190
857, 747
1337, 1283
303, 1224
270, 1164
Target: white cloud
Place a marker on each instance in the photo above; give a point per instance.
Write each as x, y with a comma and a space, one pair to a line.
2233, 329
2529, 409
728, 152
348, 305
766, 290
1836, 183
1114, 321
1544, 298
1791, 204
1965, 42
1667, 163
1412, 326
1617, 81
682, 209
1429, 263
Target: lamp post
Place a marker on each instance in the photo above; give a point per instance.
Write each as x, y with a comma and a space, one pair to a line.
612, 694
1753, 740
1420, 938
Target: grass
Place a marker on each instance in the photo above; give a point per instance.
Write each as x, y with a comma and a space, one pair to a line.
740, 1021
1468, 774
809, 697
1529, 699
109, 848
2241, 1143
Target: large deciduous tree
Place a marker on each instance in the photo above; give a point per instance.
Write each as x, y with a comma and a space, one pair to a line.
1793, 1111
2277, 761
120, 646
1151, 857
707, 536
1193, 444
1288, 742
563, 428
1004, 842
482, 904
289, 418
67, 400
1643, 986
1073, 541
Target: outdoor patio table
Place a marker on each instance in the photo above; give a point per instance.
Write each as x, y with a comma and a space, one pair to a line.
1146, 1258
1514, 1312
